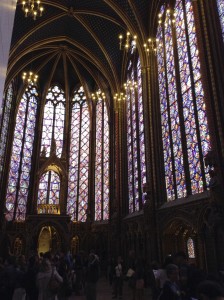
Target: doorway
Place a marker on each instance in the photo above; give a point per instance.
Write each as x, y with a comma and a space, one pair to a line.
49, 240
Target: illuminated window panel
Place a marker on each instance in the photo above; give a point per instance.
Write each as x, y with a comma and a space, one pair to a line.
49, 188
187, 93
141, 126
53, 121
220, 5
193, 110
5, 124
102, 162
20, 164
190, 248
77, 203
135, 135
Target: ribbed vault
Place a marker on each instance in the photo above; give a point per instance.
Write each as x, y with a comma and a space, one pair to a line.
82, 37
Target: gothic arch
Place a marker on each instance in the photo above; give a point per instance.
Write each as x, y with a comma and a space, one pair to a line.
175, 234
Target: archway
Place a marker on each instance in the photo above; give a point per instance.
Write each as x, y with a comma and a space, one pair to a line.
49, 240
180, 236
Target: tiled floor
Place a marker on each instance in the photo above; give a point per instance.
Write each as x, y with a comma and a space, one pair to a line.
104, 292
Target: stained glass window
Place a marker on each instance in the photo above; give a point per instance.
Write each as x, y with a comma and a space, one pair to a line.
20, 165
5, 123
49, 188
77, 203
220, 5
135, 135
102, 161
190, 248
53, 121
183, 114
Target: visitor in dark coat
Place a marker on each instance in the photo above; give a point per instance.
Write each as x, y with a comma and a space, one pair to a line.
92, 276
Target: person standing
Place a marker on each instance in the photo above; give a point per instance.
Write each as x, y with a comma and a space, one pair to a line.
92, 276
118, 279
43, 278
171, 289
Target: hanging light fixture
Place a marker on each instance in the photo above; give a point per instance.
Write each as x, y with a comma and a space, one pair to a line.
32, 8
29, 77
98, 95
130, 84
128, 42
151, 45
119, 97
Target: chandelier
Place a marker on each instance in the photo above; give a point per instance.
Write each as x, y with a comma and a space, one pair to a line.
131, 85
120, 96
32, 8
128, 42
151, 45
29, 77
98, 95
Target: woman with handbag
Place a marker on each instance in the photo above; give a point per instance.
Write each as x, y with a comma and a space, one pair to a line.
46, 281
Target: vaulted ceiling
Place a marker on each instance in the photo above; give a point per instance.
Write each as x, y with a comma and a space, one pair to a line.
77, 40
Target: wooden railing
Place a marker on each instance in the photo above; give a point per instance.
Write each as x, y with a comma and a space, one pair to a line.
50, 209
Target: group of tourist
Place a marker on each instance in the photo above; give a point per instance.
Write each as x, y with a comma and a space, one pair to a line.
179, 280
48, 277
176, 279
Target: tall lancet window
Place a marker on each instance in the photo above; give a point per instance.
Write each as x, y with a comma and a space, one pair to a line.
102, 161
78, 181
184, 123
53, 121
49, 188
5, 124
220, 5
22, 148
135, 134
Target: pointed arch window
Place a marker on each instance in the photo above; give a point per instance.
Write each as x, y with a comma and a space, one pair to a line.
102, 161
49, 188
135, 134
7, 104
184, 122
22, 148
190, 248
77, 203
220, 5
53, 121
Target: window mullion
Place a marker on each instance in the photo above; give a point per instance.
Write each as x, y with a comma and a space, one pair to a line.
79, 154
132, 150
48, 187
53, 125
102, 161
